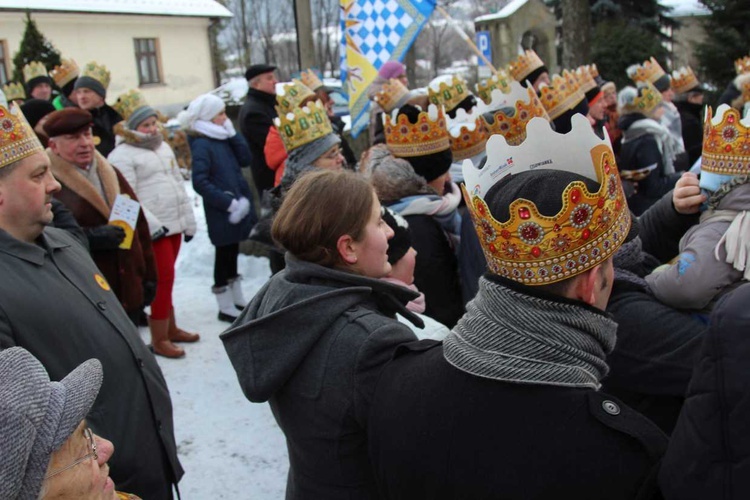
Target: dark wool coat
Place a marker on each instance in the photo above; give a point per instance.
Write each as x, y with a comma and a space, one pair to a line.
709, 453
657, 345
437, 432
217, 177
125, 270
53, 304
256, 117
313, 342
105, 119
692, 129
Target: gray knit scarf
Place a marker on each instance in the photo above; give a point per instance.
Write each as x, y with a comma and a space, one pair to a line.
514, 337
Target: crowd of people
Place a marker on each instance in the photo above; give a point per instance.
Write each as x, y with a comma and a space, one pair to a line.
534, 290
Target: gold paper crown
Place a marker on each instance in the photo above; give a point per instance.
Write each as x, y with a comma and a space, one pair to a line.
467, 135
393, 94
34, 69
586, 76
300, 126
726, 142
684, 80
649, 71
98, 72
512, 126
17, 138
536, 249
294, 93
310, 80
448, 92
562, 94
742, 65
645, 102
63, 74
429, 135
14, 91
500, 81
128, 103
524, 64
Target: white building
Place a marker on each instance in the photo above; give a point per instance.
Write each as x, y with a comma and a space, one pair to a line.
161, 47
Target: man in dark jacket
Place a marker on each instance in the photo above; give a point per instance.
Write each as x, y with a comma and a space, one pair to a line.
509, 405
91, 92
256, 117
55, 303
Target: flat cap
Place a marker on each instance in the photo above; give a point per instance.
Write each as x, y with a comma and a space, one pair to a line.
67, 121
258, 69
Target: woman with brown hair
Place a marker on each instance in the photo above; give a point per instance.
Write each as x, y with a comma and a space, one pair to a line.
314, 339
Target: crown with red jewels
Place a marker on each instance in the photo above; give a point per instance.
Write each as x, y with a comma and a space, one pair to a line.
17, 138
300, 126
310, 80
535, 249
524, 64
684, 80
448, 91
562, 94
649, 71
645, 102
429, 135
742, 65
393, 94
526, 105
64, 73
467, 135
14, 91
726, 142
501, 81
291, 95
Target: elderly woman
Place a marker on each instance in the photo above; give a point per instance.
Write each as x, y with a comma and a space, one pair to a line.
47, 450
150, 167
218, 154
315, 338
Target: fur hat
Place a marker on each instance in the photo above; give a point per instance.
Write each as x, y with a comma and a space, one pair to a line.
67, 121
400, 243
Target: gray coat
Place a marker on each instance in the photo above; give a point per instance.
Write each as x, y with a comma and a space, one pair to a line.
313, 342
55, 303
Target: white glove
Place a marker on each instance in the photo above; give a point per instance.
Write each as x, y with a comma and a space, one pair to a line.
244, 207
235, 209
229, 127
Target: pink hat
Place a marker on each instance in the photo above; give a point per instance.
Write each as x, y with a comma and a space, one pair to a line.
391, 69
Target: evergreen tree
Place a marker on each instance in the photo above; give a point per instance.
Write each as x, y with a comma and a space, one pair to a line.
34, 47
727, 39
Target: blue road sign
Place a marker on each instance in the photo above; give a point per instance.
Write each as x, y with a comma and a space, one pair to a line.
483, 42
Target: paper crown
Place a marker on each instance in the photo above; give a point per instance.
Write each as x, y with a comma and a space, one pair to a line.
34, 69
684, 80
292, 95
742, 65
17, 138
128, 103
562, 94
526, 105
429, 135
500, 81
448, 91
586, 76
524, 64
535, 249
649, 71
66, 72
467, 135
645, 102
310, 80
14, 91
393, 94
98, 72
726, 142
300, 126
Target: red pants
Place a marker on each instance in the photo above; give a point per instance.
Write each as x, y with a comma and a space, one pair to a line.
165, 254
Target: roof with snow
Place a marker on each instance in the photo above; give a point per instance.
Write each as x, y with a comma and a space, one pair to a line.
506, 11
182, 8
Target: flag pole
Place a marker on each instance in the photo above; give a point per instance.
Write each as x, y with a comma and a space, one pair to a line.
466, 38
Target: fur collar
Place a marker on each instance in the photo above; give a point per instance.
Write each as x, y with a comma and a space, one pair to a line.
71, 177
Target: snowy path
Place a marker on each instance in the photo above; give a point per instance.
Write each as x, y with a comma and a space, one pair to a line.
229, 447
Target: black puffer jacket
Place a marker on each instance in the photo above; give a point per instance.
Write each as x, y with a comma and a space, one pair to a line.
692, 129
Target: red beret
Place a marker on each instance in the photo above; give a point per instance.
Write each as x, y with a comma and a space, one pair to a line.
67, 121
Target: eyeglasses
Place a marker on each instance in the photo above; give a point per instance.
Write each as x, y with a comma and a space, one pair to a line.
91, 454
333, 155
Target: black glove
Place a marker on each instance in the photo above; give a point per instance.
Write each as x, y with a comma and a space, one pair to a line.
188, 237
160, 233
149, 292
104, 237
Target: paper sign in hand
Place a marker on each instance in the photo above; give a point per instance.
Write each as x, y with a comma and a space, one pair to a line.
125, 215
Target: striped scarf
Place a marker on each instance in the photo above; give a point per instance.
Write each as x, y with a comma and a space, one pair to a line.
514, 337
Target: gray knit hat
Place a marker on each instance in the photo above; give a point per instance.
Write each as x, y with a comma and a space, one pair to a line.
37, 416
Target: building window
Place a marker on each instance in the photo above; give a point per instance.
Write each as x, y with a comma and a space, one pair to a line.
147, 59
4, 74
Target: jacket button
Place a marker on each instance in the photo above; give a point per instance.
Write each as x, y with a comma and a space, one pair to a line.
101, 305
611, 407
140, 362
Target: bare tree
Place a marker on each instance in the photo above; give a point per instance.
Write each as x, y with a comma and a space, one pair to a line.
326, 29
239, 32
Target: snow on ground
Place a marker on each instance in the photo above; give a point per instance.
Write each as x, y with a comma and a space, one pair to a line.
229, 447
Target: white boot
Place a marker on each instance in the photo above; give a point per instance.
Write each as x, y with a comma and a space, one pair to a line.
235, 284
227, 311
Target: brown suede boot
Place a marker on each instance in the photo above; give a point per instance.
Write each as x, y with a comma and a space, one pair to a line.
160, 341
177, 334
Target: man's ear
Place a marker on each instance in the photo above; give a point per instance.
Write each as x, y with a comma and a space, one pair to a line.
347, 249
585, 286
52, 145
